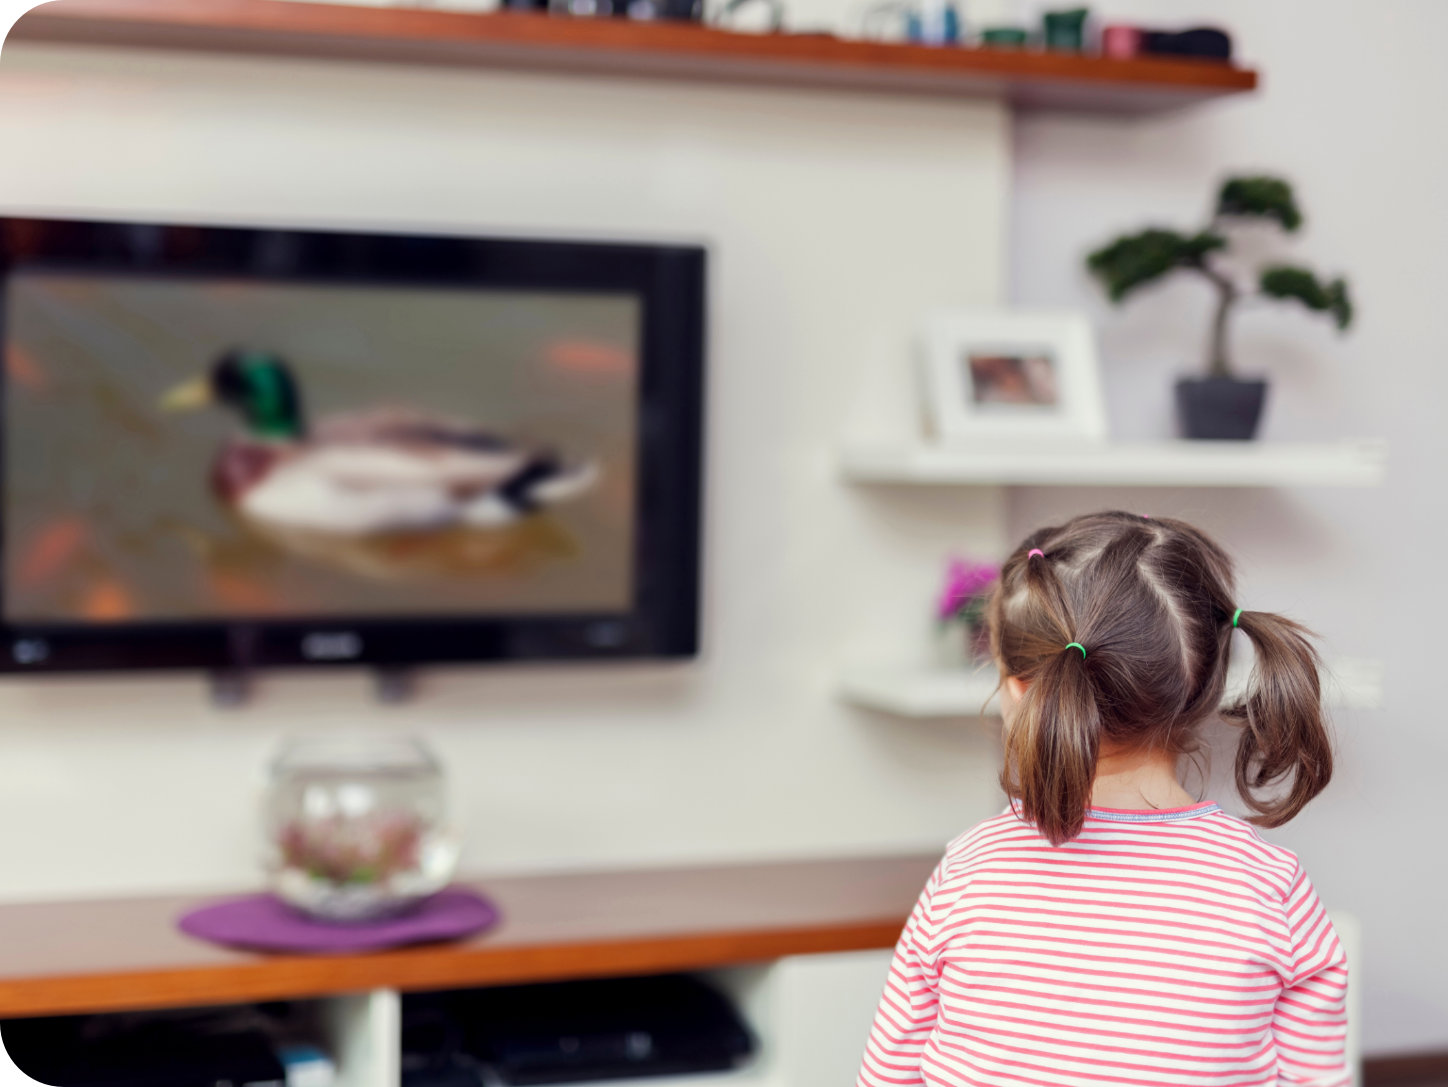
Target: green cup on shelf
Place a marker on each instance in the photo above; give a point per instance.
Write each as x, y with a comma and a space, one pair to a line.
1004, 37
1065, 31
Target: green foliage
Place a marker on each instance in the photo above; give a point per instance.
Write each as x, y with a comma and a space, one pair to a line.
1260, 197
1135, 260
1290, 283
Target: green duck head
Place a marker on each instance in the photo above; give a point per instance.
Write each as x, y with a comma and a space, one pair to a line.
257, 385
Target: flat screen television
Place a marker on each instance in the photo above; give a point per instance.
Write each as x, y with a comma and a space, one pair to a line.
231, 448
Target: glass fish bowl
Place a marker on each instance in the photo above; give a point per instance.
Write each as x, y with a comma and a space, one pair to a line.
356, 827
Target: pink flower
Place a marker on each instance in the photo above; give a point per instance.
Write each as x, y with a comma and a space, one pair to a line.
967, 584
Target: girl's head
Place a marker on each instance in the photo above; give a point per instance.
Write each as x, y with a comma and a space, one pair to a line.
1151, 604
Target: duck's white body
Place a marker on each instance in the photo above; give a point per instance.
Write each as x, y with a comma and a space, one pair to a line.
352, 483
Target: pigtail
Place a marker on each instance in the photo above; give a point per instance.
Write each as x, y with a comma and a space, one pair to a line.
1285, 749
1052, 746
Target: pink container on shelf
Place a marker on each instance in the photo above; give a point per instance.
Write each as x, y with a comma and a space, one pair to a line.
1121, 42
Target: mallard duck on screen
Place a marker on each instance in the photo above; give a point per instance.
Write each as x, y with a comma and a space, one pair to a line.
367, 472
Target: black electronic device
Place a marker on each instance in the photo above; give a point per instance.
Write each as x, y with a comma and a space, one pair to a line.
231, 448
614, 1028
124, 1051
1203, 43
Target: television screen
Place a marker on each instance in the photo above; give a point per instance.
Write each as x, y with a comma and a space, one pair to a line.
349, 447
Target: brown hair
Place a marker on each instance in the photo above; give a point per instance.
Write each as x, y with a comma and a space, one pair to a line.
1152, 601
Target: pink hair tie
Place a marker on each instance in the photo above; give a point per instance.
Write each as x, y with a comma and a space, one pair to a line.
1033, 552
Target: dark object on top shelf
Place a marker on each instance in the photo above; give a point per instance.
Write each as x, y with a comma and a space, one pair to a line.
1222, 406
646, 11
1065, 31
572, 1031
585, 9
688, 11
1205, 43
144, 1050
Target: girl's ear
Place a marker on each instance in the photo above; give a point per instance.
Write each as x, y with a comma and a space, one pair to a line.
1012, 689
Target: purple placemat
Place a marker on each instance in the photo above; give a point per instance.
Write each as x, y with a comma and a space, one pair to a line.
264, 923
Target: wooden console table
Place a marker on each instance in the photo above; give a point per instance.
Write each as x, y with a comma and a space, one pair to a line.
121, 954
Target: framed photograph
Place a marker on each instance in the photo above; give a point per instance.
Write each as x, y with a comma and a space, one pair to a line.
1012, 374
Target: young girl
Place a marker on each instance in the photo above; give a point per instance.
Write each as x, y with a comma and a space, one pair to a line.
1109, 929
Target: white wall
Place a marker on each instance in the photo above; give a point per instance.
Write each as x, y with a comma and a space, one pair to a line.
1350, 109
833, 221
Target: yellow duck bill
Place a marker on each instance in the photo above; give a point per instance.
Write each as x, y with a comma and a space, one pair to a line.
188, 396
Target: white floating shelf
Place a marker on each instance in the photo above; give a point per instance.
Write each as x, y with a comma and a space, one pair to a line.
945, 692
1145, 464
921, 692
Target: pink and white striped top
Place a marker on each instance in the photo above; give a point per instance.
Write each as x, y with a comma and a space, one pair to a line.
1157, 949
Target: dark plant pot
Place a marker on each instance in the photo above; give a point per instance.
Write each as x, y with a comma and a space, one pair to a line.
1220, 408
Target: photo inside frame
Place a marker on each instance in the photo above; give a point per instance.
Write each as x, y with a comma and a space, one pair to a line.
1012, 379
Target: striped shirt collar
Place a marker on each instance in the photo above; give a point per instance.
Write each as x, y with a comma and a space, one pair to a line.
1152, 815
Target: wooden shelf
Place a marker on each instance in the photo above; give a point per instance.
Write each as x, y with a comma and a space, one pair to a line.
67, 957
924, 693
1029, 80
1153, 464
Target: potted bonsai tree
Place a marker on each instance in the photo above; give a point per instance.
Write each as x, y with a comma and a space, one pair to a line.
1221, 405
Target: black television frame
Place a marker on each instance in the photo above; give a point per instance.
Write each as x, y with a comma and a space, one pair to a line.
670, 281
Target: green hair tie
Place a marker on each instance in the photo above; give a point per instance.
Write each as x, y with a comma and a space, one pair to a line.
1077, 645
1236, 615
